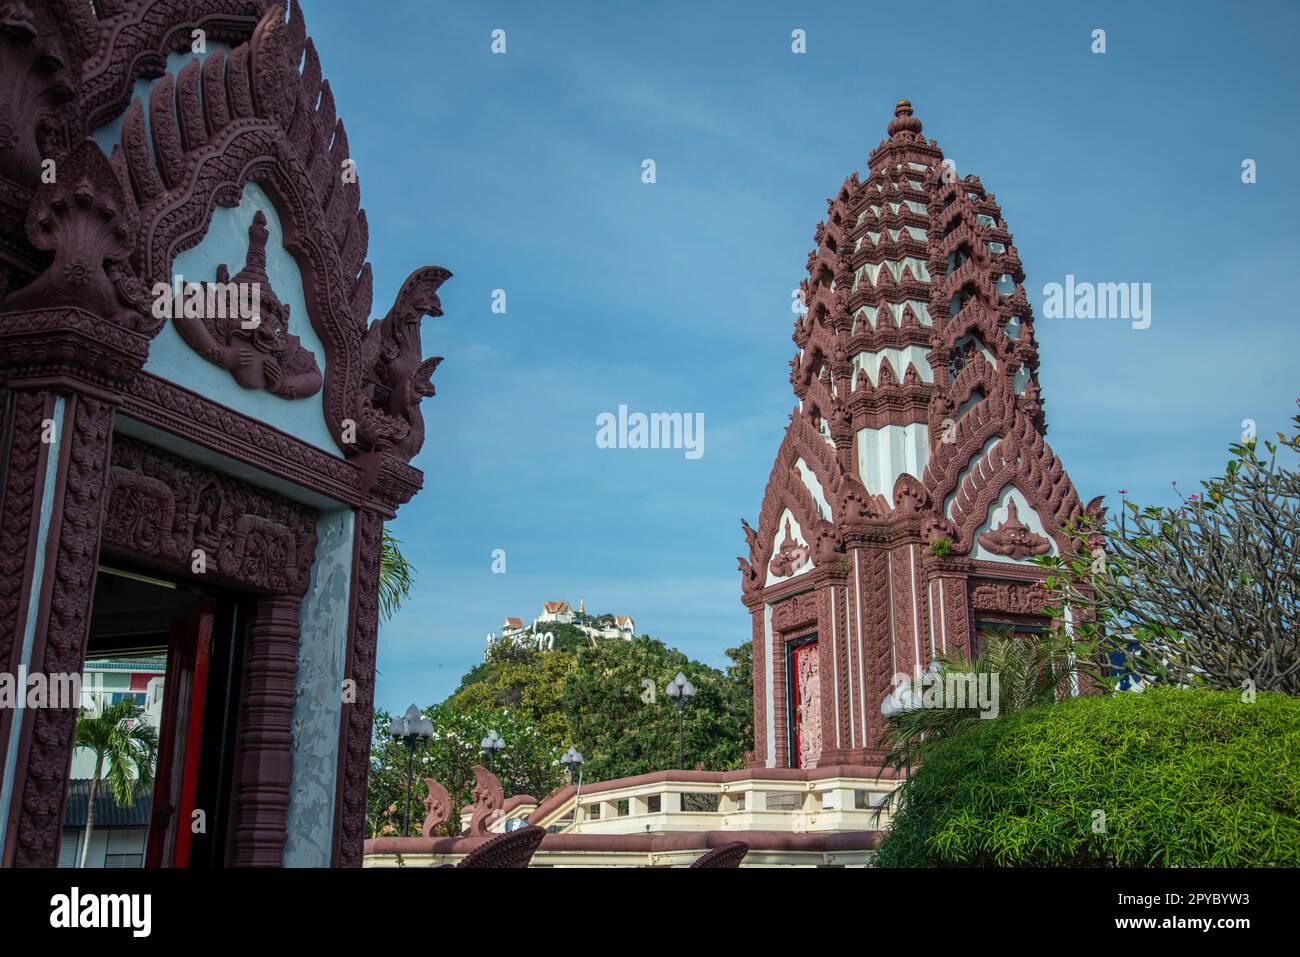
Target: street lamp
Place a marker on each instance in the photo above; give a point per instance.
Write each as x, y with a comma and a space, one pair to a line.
681, 691
410, 729
491, 745
572, 761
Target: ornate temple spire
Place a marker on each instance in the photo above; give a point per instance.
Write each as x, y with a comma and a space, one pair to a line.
919, 420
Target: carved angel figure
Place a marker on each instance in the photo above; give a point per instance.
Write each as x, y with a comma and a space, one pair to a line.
790, 557
395, 376
1014, 538
259, 351
810, 710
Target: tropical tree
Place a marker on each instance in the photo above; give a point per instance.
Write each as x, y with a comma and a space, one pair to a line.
1012, 673
528, 764
396, 575
1204, 594
624, 723
125, 747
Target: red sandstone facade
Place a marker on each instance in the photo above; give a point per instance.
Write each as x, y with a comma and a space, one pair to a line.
145, 471
914, 483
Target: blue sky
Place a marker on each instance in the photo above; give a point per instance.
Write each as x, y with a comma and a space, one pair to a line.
522, 172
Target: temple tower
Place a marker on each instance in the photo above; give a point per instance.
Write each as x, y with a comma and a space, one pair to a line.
913, 485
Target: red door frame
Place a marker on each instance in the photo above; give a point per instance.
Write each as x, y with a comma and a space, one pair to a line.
176, 779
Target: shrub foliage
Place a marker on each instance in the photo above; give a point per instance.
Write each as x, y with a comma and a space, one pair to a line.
1170, 777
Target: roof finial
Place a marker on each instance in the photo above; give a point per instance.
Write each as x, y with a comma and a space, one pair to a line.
903, 119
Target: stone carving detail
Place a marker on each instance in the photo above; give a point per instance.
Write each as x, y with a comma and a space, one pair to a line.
38, 75
917, 322
264, 760
395, 377
78, 257
795, 612
162, 509
1014, 597
259, 351
790, 557
489, 800
61, 643
22, 459
1014, 538
437, 806
358, 716
88, 220
809, 714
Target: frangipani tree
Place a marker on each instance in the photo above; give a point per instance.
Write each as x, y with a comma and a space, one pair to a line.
1204, 594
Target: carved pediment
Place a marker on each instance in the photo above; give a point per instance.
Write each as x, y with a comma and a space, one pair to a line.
791, 556
171, 513
1014, 538
241, 325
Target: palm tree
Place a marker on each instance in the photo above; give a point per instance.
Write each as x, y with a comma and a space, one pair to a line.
1028, 670
395, 575
124, 745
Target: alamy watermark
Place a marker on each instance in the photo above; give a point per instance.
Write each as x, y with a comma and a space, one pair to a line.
653, 430
937, 688
209, 300
39, 690
1098, 300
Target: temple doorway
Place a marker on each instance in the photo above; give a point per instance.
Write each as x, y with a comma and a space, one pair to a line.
805, 718
168, 654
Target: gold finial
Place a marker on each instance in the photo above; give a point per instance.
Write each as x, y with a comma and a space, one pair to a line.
903, 120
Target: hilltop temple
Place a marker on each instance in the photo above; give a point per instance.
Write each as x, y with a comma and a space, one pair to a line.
914, 485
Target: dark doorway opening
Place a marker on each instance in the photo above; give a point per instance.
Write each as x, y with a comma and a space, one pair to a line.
176, 651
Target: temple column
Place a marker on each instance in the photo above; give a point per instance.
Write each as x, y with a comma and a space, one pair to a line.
53, 514
265, 760
358, 705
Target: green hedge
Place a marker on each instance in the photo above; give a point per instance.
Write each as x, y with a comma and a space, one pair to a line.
1185, 778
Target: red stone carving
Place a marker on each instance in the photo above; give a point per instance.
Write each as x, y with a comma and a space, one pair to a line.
396, 377
790, 557
265, 756
358, 715
46, 740
909, 255
1014, 538
1014, 597
795, 612
489, 799
87, 219
259, 351
808, 707
437, 806
162, 508
77, 259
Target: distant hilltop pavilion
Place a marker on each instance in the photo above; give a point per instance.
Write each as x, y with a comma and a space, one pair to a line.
914, 487
561, 613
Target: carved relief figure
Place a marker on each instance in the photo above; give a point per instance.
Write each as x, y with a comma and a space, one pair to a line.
395, 377
489, 798
790, 557
1014, 538
809, 712
258, 351
437, 806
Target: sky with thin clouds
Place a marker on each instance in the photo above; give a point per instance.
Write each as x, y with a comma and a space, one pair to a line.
522, 172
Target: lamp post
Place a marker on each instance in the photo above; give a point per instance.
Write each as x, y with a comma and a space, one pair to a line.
491, 745
572, 761
681, 691
410, 729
